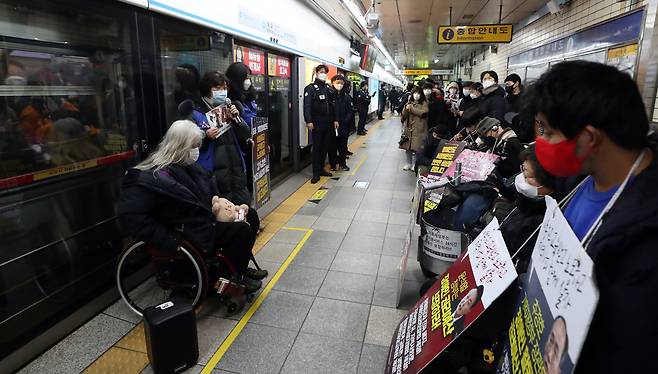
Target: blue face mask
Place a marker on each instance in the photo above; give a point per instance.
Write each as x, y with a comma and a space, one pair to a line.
219, 96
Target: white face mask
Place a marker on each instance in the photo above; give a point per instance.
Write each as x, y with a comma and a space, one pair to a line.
487, 83
466, 92
416, 96
525, 188
338, 87
474, 96
322, 76
427, 92
246, 84
193, 156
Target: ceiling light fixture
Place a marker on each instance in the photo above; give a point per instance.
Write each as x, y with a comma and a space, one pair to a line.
361, 20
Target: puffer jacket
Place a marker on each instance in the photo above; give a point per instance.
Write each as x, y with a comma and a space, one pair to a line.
492, 103
164, 207
415, 125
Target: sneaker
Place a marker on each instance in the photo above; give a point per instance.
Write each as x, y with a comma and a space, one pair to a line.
251, 285
315, 180
325, 173
406, 167
256, 274
361, 133
345, 168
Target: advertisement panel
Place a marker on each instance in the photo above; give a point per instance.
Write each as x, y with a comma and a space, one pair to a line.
261, 160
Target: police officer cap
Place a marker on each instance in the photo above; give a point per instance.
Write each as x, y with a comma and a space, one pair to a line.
321, 66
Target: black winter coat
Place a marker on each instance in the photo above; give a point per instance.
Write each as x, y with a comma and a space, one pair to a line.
492, 103
437, 112
623, 336
164, 207
344, 111
362, 101
228, 168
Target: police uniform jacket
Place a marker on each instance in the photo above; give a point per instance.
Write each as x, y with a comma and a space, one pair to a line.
318, 103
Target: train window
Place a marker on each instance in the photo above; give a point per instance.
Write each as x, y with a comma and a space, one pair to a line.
187, 52
66, 97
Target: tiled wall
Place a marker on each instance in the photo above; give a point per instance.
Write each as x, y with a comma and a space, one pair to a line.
578, 15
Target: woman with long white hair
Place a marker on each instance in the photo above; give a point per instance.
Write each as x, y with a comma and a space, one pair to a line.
167, 199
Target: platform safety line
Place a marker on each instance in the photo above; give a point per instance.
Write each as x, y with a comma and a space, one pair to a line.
217, 356
358, 165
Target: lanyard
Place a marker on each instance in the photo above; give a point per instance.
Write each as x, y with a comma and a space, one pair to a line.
597, 224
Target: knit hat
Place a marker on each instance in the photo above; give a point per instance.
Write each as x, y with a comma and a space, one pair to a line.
513, 78
486, 124
453, 85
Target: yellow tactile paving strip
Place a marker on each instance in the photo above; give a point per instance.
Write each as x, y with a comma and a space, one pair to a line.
129, 356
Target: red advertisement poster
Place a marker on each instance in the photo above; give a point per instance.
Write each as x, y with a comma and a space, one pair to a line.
253, 58
278, 66
453, 303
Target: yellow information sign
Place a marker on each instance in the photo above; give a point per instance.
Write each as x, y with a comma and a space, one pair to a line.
621, 52
474, 34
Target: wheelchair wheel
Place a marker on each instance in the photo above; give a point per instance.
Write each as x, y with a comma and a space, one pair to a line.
145, 278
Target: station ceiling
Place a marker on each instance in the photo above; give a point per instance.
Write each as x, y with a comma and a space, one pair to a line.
408, 27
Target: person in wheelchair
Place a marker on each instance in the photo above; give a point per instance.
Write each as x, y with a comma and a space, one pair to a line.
167, 199
502, 141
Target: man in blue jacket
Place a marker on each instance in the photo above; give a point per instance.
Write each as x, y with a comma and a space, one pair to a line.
599, 130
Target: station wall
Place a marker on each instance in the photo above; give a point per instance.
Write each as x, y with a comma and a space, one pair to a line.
579, 15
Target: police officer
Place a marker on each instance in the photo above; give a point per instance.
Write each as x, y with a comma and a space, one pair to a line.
362, 105
320, 117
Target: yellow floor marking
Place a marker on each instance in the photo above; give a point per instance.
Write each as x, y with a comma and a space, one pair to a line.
274, 222
214, 360
119, 360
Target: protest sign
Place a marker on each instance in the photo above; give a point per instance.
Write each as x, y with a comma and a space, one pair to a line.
556, 305
475, 166
219, 117
261, 160
446, 152
453, 303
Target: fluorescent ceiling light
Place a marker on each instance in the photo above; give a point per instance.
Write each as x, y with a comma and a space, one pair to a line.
361, 20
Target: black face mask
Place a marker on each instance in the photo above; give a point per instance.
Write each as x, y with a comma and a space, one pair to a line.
489, 141
509, 89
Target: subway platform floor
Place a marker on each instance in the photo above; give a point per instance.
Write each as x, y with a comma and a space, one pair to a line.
329, 303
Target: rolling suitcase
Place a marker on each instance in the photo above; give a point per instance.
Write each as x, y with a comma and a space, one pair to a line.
171, 336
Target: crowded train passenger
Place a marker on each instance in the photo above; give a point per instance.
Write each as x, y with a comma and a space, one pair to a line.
599, 129
414, 131
502, 141
428, 149
320, 117
221, 153
520, 218
513, 93
243, 96
393, 97
493, 102
381, 101
469, 121
362, 105
405, 97
344, 113
167, 199
436, 115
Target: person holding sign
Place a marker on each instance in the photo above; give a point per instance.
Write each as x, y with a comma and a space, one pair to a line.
600, 130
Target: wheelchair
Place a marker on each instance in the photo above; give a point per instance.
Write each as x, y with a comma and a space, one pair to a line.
146, 277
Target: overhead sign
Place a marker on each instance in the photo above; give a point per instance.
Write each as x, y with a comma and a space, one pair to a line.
453, 303
474, 34
424, 72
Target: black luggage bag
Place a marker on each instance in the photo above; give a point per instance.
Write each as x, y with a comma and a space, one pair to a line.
171, 336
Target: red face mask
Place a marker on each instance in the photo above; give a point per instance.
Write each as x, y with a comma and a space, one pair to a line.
560, 158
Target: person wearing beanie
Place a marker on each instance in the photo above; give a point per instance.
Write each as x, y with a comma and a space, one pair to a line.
502, 141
